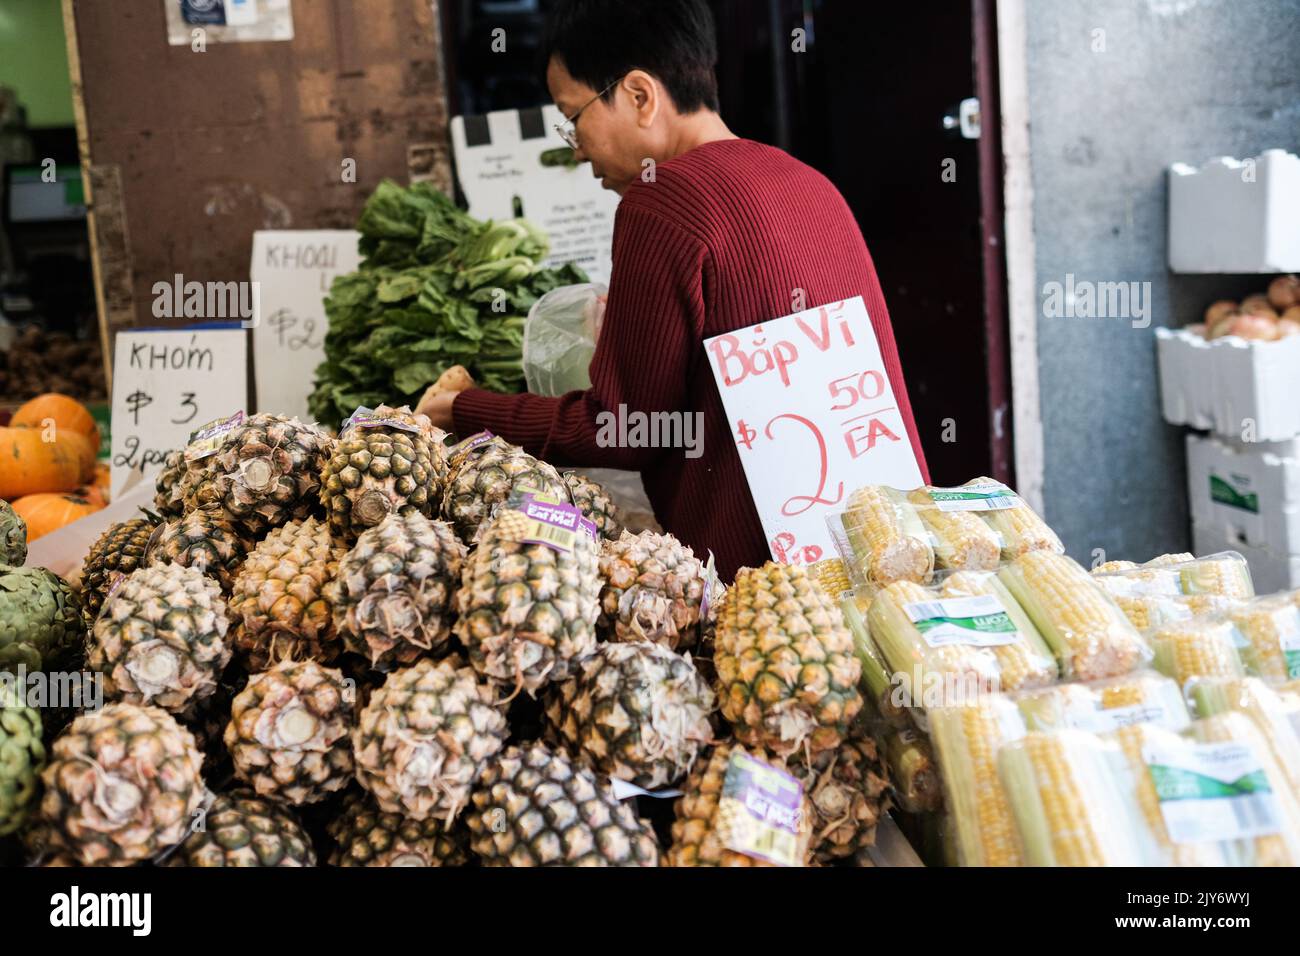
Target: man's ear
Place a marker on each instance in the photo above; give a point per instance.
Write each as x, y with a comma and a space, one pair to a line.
646, 94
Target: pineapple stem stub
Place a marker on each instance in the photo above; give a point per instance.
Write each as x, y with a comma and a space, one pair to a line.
258, 473
154, 666
372, 508
295, 726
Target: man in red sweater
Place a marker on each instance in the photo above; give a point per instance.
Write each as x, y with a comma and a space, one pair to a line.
713, 234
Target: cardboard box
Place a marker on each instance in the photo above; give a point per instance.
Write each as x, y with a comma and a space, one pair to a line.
1253, 497
1230, 386
1233, 215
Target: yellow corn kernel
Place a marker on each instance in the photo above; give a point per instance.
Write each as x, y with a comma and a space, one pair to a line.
831, 576
1050, 788
1165, 560
1267, 624
887, 536
1089, 634
1019, 529
966, 741
1197, 648
1028, 662
962, 539
1225, 574
1110, 567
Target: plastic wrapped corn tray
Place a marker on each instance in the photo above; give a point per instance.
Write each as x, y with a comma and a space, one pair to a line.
1107, 705
1225, 574
888, 534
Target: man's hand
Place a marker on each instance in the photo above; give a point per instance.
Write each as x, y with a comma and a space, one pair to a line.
437, 399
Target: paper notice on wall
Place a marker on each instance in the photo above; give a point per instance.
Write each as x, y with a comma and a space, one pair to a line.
292, 271
513, 163
166, 384
195, 23
814, 417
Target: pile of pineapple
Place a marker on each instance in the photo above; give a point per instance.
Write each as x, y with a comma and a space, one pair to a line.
340, 649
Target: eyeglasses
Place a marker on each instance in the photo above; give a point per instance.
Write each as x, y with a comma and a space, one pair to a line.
569, 129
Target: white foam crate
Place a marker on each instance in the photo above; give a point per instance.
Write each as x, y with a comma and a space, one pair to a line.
1270, 572
1230, 385
1226, 216
1252, 496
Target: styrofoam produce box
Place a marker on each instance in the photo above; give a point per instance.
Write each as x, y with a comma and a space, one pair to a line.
1230, 385
1226, 216
1270, 572
1252, 496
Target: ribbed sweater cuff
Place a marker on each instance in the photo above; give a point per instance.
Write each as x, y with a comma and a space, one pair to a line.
520, 419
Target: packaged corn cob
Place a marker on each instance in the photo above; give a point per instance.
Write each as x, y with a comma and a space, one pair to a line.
1224, 786
831, 576
1109, 567
966, 742
1270, 628
962, 636
881, 537
1085, 629
913, 771
1068, 801
960, 538
1152, 610
877, 687
1018, 527
1159, 846
1225, 574
1101, 707
1201, 648
1263, 705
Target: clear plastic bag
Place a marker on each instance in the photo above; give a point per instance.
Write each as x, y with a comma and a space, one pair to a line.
1199, 648
1105, 706
560, 337
1225, 574
1270, 631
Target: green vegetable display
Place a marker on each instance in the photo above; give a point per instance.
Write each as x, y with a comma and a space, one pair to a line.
436, 288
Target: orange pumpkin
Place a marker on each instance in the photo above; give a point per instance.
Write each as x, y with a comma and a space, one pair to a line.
30, 465
98, 490
67, 414
50, 512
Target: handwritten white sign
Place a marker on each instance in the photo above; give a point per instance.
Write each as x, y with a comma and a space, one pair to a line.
292, 270
814, 417
167, 383
511, 162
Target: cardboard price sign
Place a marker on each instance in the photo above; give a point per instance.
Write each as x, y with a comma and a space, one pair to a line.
292, 271
167, 383
814, 417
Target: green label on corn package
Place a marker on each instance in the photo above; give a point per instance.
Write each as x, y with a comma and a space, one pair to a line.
759, 814
981, 621
1211, 792
1235, 492
982, 496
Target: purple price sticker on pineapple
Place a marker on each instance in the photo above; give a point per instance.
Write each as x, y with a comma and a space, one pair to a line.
761, 811
367, 418
565, 519
206, 440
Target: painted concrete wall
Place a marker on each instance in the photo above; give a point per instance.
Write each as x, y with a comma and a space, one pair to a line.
34, 59
1164, 81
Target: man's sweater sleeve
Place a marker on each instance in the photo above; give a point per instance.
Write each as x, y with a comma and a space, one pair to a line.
654, 320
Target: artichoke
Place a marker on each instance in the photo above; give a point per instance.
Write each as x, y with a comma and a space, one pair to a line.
40, 619
13, 537
22, 757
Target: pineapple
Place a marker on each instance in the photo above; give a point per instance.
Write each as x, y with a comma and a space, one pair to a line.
13, 537
595, 504
392, 595
638, 711
364, 835
266, 472
379, 469
41, 624
241, 829
161, 639
206, 540
481, 478
849, 792
169, 498
527, 611
787, 674
119, 550
279, 605
425, 737
122, 785
288, 732
22, 757
704, 822
651, 591
536, 807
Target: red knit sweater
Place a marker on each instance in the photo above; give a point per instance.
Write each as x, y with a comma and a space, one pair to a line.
718, 242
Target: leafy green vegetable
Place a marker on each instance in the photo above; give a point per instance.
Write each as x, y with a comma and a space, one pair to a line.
436, 288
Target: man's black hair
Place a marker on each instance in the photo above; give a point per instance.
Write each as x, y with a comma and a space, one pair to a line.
599, 41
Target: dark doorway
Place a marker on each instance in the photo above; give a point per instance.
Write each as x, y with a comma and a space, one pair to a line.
864, 102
